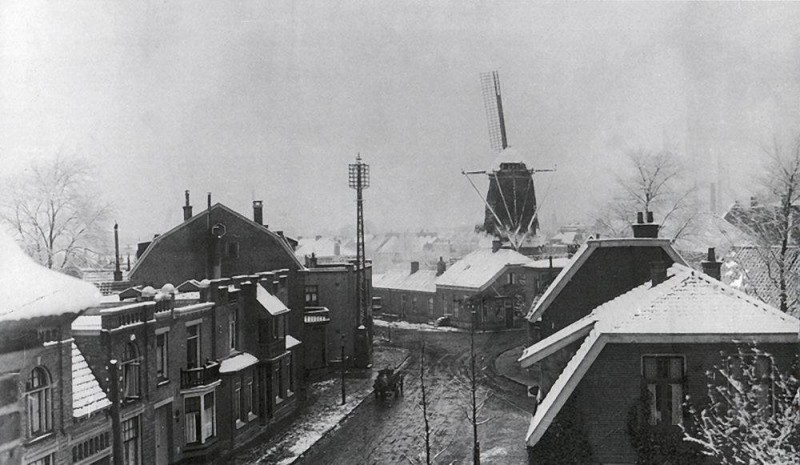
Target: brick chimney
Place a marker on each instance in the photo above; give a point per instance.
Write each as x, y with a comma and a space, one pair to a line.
117, 271
642, 229
258, 211
187, 209
711, 266
441, 267
414, 267
658, 272
337, 249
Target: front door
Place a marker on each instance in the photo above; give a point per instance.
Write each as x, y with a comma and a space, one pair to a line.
162, 435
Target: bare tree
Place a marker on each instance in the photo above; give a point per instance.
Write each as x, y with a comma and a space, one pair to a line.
55, 213
656, 182
753, 415
475, 405
773, 224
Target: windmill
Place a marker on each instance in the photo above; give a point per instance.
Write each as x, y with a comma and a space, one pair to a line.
511, 208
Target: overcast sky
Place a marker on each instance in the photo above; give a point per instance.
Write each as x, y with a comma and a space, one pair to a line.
272, 100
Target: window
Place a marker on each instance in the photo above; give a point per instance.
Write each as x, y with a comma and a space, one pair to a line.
200, 418
279, 327
233, 329
414, 304
664, 378
247, 400
130, 441
403, 303
290, 363
38, 395
430, 306
278, 382
46, 460
511, 278
456, 306
233, 250
162, 356
130, 372
312, 296
193, 346
237, 404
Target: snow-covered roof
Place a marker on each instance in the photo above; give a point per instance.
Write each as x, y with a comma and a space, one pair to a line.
689, 307
270, 303
237, 363
88, 323
87, 395
291, 341
419, 281
30, 290
321, 247
544, 263
583, 254
755, 271
480, 268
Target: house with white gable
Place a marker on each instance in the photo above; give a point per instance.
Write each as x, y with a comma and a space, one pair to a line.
632, 362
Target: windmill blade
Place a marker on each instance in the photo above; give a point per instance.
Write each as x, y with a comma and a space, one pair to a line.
493, 104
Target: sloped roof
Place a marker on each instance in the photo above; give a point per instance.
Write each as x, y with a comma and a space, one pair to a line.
237, 363
544, 263
291, 341
754, 270
582, 255
321, 247
30, 290
480, 268
218, 206
87, 395
270, 303
420, 281
689, 307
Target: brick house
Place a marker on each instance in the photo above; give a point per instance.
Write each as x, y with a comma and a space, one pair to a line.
408, 294
642, 353
499, 284
52, 410
198, 374
331, 311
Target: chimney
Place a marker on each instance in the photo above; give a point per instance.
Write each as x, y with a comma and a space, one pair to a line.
496, 245
645, 230
258, 211
209, 200
658, 272
117, 272
711, 266
441, 267
337, 249
414, 267
187, 209
753, 201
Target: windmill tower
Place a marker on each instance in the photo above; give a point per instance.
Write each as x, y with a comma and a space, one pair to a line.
510, 212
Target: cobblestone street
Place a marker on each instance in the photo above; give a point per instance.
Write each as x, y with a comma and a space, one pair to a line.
391, 431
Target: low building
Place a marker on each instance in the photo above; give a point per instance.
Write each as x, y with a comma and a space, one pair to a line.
632, 360
52, 410
408, 294
331, 314
201, 375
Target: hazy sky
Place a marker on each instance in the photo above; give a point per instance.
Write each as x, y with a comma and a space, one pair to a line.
272, 100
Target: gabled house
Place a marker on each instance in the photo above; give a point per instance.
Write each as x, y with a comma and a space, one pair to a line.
498, 284
642, 353
52, 410
408, 294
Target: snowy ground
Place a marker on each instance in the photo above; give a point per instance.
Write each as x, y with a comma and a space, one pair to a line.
415, 326
322, 414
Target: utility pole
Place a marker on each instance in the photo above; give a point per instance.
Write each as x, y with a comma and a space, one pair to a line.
116, 424
343, 367
358, 177
476, 452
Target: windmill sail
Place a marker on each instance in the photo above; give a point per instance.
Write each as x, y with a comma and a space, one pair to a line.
493, 103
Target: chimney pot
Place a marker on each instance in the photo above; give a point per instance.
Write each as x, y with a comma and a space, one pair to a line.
711, 266
258, 211
187, 209
753, 201
441, 266
414, 267
649, 217
639, 217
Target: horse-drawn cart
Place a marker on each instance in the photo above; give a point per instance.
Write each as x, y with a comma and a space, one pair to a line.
389, 382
